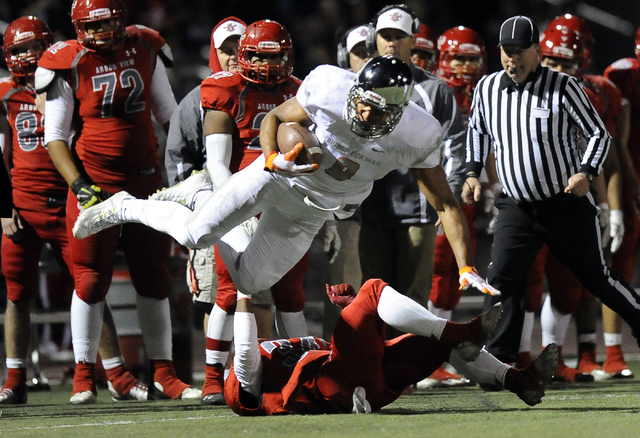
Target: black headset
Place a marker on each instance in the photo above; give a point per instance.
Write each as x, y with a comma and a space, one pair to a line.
370, 42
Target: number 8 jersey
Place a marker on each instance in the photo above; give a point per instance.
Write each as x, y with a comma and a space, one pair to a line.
32, 171
114, 97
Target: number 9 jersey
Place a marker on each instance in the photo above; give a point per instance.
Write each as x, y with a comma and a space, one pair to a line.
114, 96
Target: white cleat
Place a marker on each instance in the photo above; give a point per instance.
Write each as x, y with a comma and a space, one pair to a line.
101, 216
189, 393
184, 193
83, 398
139, 391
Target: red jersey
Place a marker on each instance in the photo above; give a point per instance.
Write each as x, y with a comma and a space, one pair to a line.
289, 386
625, 73
247, 103
113, 103
32, 171
610, 100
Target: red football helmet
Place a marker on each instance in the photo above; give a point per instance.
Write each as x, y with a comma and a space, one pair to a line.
20, 31
266, 37
638, 43
579, 25
564, 43
463, 76
426, 43
89, 11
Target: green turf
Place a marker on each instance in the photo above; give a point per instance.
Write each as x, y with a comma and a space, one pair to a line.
603, 410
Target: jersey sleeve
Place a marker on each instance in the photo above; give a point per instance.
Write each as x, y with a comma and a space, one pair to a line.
153, 38
216, 93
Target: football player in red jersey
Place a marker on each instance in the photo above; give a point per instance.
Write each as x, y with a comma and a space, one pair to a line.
625, 74
39, 194
111, 79
359, 371
234, 105
424, 53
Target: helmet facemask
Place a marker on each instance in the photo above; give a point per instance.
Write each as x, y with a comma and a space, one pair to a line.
387, 105
105, 41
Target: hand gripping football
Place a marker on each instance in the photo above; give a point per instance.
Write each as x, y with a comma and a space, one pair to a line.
292, 133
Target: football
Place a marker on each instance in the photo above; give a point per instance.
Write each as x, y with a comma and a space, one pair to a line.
292, 133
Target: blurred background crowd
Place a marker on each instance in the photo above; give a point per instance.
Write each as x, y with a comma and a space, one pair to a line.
315, 26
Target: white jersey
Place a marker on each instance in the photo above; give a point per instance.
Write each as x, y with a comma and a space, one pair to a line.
351, 163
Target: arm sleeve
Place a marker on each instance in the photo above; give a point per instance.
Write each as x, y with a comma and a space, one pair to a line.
584, 114
163, 103
478, 141
59, 111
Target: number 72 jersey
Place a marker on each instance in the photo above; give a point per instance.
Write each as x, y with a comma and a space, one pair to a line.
112, 99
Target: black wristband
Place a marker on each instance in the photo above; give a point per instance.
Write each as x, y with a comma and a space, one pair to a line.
471, 175
77, 185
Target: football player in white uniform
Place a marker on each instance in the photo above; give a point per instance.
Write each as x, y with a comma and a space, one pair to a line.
367, 127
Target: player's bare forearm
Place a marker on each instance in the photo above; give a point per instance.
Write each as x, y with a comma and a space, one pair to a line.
63, 160
433, 183
289, 111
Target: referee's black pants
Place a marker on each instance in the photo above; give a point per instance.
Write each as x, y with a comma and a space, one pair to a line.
569, 226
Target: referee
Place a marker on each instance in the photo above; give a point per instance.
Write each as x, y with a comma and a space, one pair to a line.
535, 118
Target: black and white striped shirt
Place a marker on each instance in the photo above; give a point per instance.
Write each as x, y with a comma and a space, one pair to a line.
535, 129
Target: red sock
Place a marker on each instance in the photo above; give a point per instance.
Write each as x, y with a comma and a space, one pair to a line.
214, 379
15, 377
84, 378
121, 379
455, 333
165, 374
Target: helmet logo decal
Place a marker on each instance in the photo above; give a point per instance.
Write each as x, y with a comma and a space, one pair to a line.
374, 98
22, 36
99, 14
268, 46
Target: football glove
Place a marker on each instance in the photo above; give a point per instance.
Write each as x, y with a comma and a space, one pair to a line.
87, 194
604, 217
469, 277
285, 164
341, 294
616, 223
332, 242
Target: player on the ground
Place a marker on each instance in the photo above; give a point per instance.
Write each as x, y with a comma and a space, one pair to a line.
112, 78
39, 195
359, 371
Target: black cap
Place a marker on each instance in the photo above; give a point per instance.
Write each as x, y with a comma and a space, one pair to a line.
520, 31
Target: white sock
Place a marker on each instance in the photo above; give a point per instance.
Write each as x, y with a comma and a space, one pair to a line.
112, 362
86, 326
527, 332
290, 324
164, 216
404, 314
446, 314
484, 369
220, 328
554, 324
587, 338
247, 362
154, 317
15, 363
611, 339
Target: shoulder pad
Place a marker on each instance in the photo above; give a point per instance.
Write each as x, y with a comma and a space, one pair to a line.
60, 56
43, 78
222, 79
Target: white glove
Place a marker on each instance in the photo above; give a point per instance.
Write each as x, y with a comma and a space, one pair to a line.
605, 223
285, 164
616, 222
332, 240
469, 277
250, 225
489, 198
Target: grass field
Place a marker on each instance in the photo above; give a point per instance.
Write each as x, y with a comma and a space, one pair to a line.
603, 410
